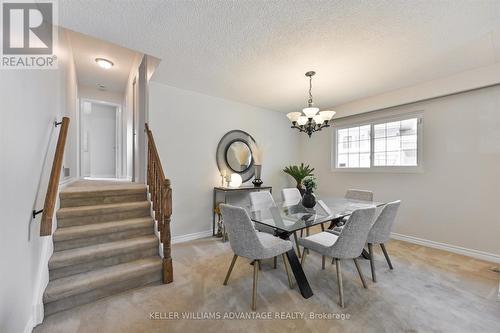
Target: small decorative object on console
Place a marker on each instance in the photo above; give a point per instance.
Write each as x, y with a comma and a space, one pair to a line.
257, 157
236, 180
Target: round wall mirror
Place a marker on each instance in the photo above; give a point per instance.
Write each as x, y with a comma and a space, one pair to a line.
238, 156
234, 154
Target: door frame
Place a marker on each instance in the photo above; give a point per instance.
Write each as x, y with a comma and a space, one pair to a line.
119, 132
134, 126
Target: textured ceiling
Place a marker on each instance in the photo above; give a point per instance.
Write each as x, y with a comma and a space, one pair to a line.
86, 49
258, 51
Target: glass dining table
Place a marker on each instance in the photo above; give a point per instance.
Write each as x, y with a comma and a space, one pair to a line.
288, 217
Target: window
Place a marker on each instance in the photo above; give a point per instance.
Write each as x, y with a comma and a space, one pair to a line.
354, 147
379, 144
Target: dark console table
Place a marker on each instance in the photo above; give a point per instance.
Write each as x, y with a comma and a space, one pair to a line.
226, 190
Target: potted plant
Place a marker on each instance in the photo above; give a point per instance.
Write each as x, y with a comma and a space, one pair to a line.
309, 200
299, 172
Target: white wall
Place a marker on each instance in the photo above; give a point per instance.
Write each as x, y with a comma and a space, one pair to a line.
187, 127
455, 200
127, 120
100, 95
31, 102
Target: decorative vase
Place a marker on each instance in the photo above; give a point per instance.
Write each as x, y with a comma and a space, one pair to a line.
308, 200
257, 182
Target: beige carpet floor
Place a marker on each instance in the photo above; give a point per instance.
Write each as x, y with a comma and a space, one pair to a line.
428, 291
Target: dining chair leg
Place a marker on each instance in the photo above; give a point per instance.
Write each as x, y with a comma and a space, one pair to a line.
360, 273
322, 227
372, 262
297, 243
333, 261
255, 278
290, 283
303, 257
323, 258
275, 263
230, 269
386, 256
339, 279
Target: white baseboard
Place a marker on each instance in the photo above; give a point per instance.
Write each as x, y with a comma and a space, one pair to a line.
42, 276
29, 326
193, 236
486, 256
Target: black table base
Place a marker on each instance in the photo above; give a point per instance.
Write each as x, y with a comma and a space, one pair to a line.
298, 272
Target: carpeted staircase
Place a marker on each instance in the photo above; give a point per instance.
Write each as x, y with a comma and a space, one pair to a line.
104, 244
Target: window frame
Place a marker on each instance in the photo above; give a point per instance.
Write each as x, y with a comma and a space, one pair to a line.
419, 168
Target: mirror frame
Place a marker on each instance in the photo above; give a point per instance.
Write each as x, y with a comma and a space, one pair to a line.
223, 146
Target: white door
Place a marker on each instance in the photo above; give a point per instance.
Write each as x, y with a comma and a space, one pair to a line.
99, 141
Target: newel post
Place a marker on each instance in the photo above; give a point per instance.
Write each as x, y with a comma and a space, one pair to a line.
168, 274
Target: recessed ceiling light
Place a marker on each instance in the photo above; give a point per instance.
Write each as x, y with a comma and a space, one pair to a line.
104, 63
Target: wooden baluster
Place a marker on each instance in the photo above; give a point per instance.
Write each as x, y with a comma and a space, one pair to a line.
148, 163
157, 203
159, 210
153, 182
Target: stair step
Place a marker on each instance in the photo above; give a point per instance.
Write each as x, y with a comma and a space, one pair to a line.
109, 194
84, 259
90, 234
87, 287
73, 216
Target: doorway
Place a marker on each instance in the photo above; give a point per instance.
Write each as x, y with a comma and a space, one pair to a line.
100, 128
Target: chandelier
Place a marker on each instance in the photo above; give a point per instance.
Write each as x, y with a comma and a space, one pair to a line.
309, 120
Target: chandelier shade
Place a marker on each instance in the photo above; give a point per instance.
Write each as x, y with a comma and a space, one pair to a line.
293, 116
318, 119
327, 115
310, 112
302, 120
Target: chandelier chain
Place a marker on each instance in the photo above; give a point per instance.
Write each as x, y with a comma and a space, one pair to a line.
310, 101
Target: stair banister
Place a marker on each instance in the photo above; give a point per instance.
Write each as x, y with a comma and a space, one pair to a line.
55, 174
161, 199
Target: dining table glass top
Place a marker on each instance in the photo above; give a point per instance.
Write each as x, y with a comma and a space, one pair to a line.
290, 217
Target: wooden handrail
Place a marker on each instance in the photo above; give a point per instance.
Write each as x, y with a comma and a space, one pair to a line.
55, 174
161, 198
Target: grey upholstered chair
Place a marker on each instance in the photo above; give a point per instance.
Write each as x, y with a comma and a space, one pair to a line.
291, 196
347, 245
262, 200
249, 243
355, 195
359, 195
381, 232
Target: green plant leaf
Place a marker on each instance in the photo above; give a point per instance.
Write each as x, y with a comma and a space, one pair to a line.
299, 172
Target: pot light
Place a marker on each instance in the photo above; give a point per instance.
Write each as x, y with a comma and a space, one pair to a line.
104, 63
